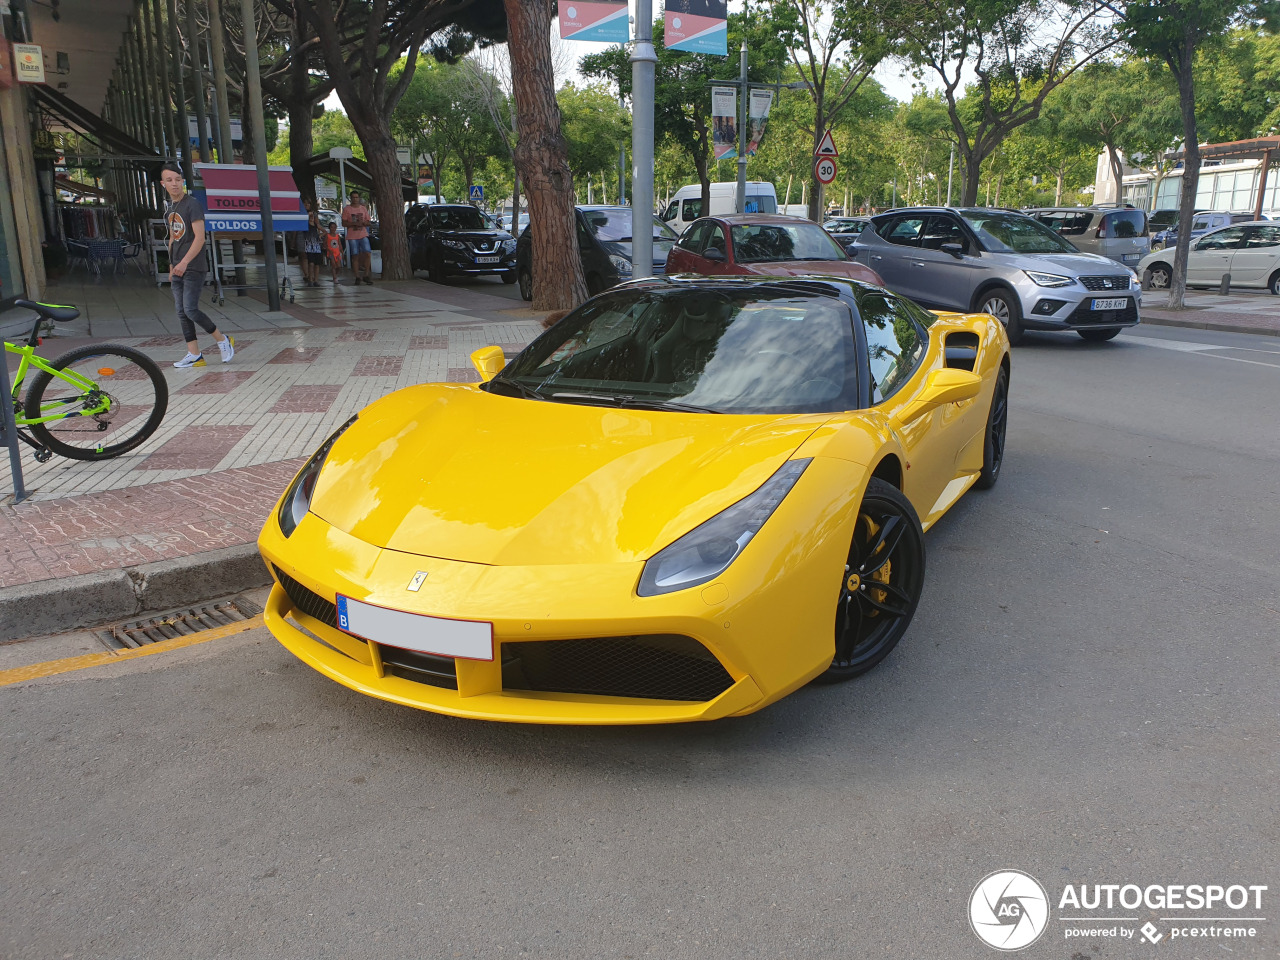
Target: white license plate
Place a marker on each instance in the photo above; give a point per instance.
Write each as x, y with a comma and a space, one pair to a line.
469, 639
1110, 304
486, 259
1132, 256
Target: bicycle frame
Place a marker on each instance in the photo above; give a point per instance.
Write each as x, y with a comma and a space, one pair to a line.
86, 386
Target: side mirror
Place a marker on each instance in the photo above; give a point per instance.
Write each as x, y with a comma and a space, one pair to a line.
942, 387
488, 362
955, 249
714, 254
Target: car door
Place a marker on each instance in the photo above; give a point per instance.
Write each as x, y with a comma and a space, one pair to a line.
1258, 256
893, 260
718, 239
898, 367
937, 277
682, 256
1210, 256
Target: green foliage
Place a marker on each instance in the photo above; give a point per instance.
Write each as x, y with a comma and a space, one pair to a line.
595, 125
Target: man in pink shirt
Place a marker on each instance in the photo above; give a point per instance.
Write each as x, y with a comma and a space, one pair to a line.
355, 217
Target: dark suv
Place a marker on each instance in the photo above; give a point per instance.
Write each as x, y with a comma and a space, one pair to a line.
454, 239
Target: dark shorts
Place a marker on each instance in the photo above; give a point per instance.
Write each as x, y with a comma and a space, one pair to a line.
316, 258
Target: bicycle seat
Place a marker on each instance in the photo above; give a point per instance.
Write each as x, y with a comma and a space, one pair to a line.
49, 311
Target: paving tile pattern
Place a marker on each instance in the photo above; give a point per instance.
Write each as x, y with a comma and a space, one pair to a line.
306, 399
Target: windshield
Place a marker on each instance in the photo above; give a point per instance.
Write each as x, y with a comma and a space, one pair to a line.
458, 218
773, 242
615, 224
1014, 233
757, 351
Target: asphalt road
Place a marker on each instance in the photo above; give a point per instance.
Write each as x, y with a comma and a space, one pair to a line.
1088, 693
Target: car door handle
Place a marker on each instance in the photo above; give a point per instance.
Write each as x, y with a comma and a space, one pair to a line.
876, 256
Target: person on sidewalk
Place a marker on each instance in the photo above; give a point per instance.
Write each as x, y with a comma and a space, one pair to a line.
185, 220
355, 217
312, 247
333, 249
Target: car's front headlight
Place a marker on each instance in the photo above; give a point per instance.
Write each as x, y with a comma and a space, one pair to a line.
1134, 282
706, 551
455, 244
508, 246
1049, 279
621, 264
297, 499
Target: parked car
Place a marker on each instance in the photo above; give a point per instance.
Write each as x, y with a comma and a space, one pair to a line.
686, 206
845, 230
454, 239
762, 244
1250, 252
1201, 223
1116, 232
1006, 264
684, 501
1159, 220
604, 241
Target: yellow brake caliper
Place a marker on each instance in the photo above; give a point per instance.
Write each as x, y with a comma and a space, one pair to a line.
880, 576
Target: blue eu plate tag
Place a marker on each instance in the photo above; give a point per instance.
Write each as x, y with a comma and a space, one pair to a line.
342, 612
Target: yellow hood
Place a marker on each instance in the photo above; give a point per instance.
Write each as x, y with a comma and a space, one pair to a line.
453, 472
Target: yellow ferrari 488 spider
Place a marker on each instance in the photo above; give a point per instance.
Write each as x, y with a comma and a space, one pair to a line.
685, 500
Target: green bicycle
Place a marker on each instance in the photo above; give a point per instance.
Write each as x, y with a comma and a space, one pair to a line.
92, 403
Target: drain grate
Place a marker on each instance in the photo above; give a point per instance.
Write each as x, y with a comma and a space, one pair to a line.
179, 623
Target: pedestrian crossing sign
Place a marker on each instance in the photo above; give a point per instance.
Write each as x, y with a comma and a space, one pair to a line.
477, 193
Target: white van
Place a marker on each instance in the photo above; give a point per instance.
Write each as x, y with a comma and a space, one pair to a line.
686, 205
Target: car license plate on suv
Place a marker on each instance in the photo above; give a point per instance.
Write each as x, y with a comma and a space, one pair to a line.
1132, 256
470, 639
486, 259
1118, 304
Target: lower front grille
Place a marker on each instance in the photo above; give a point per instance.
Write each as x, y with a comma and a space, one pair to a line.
1082, 315
653, 666
1116, 283
307, 601
419, 667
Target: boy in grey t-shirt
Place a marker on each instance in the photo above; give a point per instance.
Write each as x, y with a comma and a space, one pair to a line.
185, 219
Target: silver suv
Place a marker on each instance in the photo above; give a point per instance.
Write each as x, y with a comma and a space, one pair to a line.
1003, 263
1116, 232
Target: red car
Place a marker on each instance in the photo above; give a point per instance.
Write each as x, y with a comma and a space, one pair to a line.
764, 244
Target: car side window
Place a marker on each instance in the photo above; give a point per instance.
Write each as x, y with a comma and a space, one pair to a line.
905, 231
691, 239
1262, 237
716, 239
1200, 223
939, 230
895, 343
691, 209
1227, 239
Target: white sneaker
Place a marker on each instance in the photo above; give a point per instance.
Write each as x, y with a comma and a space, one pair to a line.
227, 347
190, 360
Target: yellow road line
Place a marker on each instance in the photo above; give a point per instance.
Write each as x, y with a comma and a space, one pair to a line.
51, 667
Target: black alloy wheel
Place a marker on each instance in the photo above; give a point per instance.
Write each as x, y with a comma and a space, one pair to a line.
882, 582
997, 428
526, 284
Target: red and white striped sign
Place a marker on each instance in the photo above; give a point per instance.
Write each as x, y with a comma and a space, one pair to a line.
232, 201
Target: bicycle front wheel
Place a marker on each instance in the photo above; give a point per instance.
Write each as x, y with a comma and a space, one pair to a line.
102, 401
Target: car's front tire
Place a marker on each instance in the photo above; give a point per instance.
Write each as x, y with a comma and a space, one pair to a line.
1274, 283
526, 283
1099, 336
1003, 304
509, 277
882, 581
1159, 277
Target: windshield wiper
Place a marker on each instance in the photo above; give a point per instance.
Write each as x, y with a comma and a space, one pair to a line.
524, 391
634, 403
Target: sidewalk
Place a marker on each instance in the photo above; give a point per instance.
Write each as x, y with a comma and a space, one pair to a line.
236, 433
1254, 312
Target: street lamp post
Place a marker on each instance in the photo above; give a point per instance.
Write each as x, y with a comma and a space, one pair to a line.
643, 61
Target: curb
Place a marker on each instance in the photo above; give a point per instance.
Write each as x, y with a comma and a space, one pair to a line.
71, 603
1221, 327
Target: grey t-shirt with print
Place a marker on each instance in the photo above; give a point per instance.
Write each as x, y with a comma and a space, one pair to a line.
180, 216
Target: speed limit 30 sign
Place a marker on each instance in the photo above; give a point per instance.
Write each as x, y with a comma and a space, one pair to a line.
825, 169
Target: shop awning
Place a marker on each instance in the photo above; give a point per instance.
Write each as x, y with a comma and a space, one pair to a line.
110, 139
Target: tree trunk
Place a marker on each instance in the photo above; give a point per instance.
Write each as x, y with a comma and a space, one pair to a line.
301, 145
1057, 192
1190, 175
972, 175
542, 158
1117, 170
515, 207
815, 198
384, 170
